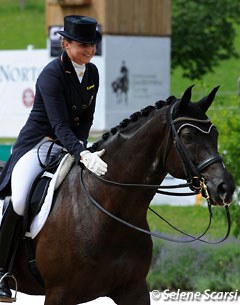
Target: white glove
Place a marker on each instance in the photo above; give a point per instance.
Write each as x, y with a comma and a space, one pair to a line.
93, 162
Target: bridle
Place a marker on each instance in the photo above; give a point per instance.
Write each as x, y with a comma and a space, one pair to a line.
192, 171
193, 176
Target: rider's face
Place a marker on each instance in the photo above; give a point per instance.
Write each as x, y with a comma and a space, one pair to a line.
80, 53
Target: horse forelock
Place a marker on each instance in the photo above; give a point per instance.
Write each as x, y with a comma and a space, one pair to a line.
132, 120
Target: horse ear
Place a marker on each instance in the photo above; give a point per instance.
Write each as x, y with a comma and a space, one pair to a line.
206, 102
186, 98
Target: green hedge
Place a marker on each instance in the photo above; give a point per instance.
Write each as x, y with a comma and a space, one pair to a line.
195, 267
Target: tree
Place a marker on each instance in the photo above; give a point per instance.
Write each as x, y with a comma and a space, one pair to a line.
203, 34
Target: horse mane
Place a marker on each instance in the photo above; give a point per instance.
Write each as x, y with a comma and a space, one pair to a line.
134, 117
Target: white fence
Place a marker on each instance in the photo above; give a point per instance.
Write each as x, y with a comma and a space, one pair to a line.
174, 200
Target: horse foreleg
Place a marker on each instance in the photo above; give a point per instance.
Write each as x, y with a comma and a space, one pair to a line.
136, 294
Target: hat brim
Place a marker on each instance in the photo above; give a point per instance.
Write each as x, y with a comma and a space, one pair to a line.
82, 40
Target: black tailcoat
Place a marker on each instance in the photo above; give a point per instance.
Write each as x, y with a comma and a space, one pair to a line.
63, 109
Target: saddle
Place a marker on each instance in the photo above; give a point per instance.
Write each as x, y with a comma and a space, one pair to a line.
38, 189
47, 181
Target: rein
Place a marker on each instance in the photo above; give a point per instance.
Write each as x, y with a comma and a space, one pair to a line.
154, 234
151, 186
195, 181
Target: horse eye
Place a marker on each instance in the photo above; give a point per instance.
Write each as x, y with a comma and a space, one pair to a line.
187, 137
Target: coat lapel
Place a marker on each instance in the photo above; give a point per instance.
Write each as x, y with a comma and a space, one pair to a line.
69, 70
86, 89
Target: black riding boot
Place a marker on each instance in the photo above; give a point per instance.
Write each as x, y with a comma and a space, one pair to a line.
10, 232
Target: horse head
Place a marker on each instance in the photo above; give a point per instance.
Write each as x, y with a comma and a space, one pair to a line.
195, 150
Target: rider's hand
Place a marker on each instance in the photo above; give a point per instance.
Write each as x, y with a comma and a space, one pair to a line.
93, 162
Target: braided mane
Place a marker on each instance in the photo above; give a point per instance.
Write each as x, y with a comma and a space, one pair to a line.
133, 118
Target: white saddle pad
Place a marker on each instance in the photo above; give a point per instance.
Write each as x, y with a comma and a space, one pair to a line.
40, 219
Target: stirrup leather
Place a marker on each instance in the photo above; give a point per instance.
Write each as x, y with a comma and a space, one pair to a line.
14, 298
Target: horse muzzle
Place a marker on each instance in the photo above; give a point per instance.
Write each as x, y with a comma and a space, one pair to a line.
221, 190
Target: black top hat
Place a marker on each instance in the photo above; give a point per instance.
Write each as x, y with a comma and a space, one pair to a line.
81, 28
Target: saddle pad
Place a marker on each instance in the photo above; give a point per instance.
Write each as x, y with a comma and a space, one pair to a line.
40, 219
1, 210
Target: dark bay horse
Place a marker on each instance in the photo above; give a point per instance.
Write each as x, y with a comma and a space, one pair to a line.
81, 253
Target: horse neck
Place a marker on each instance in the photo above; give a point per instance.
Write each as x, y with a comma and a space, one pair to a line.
135, 155
144, 148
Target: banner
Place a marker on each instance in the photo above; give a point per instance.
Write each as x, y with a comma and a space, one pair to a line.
137, 74
18, 74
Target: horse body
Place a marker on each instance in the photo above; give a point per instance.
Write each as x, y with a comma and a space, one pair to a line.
82, 253
118, 258
100, 258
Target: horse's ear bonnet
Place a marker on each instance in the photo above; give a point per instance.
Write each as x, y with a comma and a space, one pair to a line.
206, 101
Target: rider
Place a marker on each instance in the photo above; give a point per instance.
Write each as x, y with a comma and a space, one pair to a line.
63, 110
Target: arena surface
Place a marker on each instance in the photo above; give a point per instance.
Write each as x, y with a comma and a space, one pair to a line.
23, 299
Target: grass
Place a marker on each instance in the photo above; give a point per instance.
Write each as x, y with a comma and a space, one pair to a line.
7, 140
191, 219
195, 267
225, 75
22, 27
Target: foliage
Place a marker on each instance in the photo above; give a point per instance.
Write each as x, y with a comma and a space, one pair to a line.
195, 267
224, 113
203, 34
227, 120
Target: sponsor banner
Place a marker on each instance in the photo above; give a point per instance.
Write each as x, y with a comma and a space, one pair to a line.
18, 74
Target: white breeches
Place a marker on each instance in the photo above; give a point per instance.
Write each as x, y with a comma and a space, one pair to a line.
26, 170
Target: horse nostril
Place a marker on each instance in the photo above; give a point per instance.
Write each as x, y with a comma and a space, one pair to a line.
223, 191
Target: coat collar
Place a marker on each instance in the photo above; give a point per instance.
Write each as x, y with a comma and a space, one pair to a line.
69, 69
66, 62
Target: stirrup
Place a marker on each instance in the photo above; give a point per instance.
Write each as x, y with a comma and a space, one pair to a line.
14, 298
